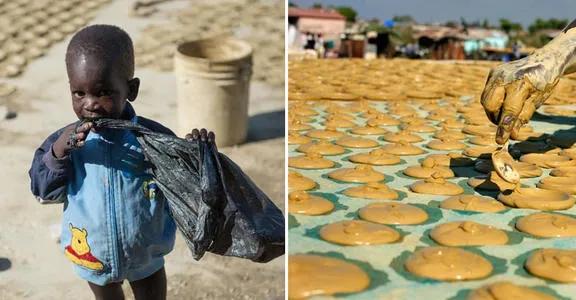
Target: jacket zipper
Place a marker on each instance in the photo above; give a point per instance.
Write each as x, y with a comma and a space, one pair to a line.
112, 213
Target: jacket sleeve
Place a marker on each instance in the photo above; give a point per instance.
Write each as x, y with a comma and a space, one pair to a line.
49, 175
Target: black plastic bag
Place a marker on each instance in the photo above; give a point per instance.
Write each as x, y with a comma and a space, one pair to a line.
216, 207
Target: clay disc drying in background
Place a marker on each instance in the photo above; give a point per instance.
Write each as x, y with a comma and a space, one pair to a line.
472, 203
357, 232
467, 233
372, 190
393, 213
376, 157
358, 174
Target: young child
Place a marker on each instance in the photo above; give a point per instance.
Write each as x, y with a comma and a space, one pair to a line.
116, 225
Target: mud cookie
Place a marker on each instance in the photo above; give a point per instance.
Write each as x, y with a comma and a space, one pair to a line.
436, 185
396, 137
448, 264
451, 159
297, 125
369, 130
297, 182
564, 172
564, 184
426, 170
503, 164
484, 140
382, 120
536, 198
472, 203
480, 151
294, 138
525, 170
446, 144
449, 134
358, 174
310, 160
452, 124
377, 157
339, 122
393, 213
321, 147
479, 129
356, 142
554, 264
327, 133
421, 128
548, 161
507, 290
358, 232
467, 233
313, 275
372, 190
547, 225
301, 202
402, 148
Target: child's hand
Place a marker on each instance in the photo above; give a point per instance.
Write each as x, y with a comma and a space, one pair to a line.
202, 134
71, 138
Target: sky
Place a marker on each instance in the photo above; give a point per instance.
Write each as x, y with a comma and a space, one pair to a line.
428, 11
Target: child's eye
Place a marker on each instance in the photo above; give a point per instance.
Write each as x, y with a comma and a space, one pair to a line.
78, 94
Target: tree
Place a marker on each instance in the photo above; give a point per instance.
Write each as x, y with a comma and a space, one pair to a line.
403, 19
552, 23
485, 24
348, 12
375, 25
451, 24
508, 26
291, 4
317, 5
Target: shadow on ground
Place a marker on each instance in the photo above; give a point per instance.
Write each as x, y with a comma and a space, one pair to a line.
265, 126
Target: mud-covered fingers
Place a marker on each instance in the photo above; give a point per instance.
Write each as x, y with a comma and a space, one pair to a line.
524, 117
492, 99
85, 127
516, 95
195, 134
203, 134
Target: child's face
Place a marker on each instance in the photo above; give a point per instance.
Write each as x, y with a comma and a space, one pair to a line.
98, 88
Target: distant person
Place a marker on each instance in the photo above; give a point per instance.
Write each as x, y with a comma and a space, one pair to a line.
516, 50
116, 224
310, 41
319, 45
516, 89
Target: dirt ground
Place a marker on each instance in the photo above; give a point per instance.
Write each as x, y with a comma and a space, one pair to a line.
31, 264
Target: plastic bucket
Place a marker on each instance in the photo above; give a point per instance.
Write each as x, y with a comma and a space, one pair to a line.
213, 83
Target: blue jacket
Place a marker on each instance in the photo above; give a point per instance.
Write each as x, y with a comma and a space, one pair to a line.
116, 224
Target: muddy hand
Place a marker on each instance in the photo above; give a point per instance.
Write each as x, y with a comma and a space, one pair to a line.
515, 90
72, 137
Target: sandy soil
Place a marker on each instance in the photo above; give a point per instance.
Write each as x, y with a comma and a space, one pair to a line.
35, 268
